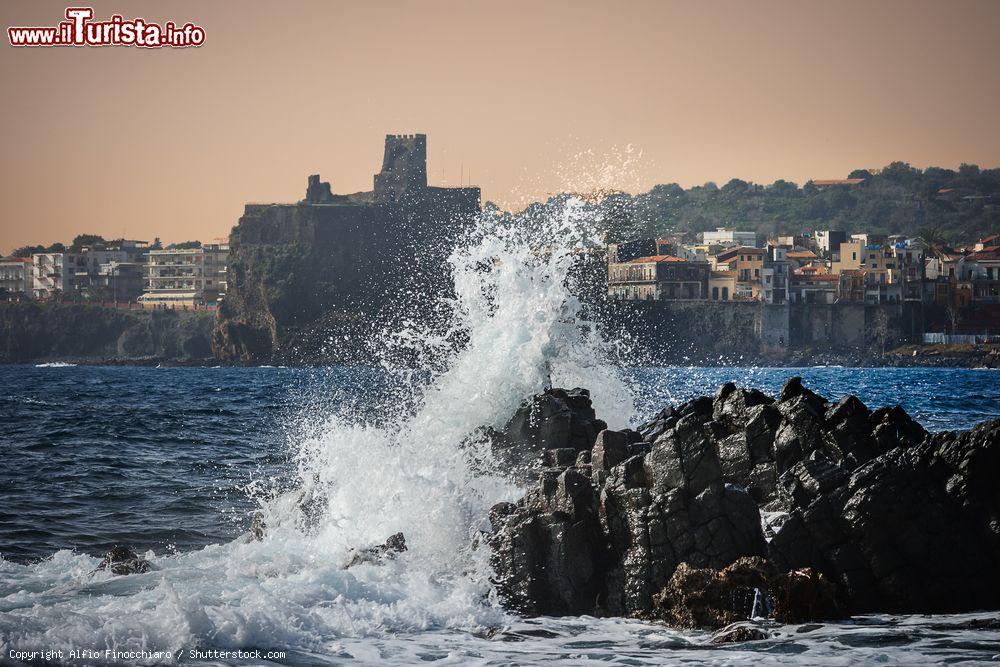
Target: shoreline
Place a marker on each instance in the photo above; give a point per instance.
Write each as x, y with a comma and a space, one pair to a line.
913, 357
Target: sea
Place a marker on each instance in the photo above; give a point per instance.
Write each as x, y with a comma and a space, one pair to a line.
174, 462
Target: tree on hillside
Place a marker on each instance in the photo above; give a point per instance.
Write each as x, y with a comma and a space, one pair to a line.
932, 238
82, 240
27, 251
184, 245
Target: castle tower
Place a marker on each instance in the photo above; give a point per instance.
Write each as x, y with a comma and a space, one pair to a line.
404, 166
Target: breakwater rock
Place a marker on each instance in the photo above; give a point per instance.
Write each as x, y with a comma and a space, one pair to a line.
744, 504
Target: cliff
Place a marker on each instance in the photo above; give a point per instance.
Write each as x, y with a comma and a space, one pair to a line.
33, 332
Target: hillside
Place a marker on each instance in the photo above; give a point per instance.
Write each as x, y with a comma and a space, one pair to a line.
962, 204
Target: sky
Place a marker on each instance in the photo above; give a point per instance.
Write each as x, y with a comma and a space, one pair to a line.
523, 99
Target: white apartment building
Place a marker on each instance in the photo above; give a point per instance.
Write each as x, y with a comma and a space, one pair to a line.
15, 275
728, 237
52, 272
177, 278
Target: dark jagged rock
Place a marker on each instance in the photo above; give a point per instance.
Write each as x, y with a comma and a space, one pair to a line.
396, 544
123, 560
877, 515
914, 530
557, 419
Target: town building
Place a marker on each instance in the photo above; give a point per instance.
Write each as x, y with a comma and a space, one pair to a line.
801, 257
828, 241
814, 288
659, 277
729, 237
52, 274
15, 277
775, 276
186, 278
748, 263
722, 285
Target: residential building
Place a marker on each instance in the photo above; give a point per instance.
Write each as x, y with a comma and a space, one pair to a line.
946, 266
749, 272
867, 239
775, 275
909, 258
15, 276
828, 241
848, 257
818, 288
851, 285
991, 242
801, 257
659, 277
983, 271
722, 285
729, 237
52, 273
120, 282
188, 277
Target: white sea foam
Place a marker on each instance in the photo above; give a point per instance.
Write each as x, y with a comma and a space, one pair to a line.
415, 470
55, 364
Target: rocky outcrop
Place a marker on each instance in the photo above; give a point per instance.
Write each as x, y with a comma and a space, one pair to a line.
665, 521
552, 428
33, 332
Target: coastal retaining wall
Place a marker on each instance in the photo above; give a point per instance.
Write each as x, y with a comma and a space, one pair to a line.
679, 332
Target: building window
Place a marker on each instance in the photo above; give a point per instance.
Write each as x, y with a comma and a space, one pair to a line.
725, 294
715, 293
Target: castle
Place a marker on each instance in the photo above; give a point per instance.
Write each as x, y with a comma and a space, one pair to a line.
340, 262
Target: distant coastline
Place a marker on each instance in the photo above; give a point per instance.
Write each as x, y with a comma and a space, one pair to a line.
90, 335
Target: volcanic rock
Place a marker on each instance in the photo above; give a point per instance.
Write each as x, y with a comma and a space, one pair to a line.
877, 515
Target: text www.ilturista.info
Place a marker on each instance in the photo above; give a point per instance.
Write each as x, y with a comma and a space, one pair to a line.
79, 30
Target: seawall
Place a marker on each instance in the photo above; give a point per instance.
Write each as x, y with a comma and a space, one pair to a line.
735, 332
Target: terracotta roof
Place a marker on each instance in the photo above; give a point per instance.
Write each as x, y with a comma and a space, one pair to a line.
986, 254
26, 260
804, 254
657, 259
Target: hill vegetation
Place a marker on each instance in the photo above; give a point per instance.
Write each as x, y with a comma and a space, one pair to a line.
961, 205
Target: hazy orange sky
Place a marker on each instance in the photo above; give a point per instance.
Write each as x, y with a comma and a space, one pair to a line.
530, 97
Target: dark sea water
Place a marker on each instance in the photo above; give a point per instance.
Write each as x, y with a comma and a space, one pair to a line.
161, 457
171, 460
